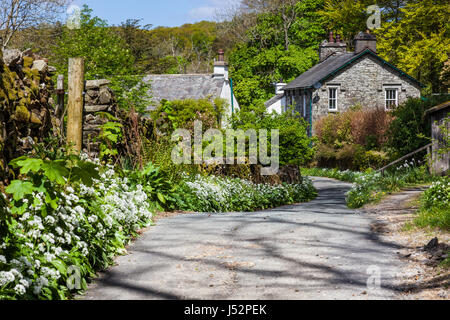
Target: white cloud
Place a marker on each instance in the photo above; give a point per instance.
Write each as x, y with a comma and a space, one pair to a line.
203, 13
211, 9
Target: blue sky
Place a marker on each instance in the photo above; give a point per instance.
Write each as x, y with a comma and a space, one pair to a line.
157, 12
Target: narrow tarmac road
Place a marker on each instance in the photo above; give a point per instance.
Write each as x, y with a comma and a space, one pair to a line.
315, 250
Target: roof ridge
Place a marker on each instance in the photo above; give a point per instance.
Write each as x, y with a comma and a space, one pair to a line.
323, 70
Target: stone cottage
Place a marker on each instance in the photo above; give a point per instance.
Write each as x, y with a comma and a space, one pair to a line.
343, 79
194, 86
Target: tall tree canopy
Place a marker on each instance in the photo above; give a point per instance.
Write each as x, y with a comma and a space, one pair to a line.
104, 51
414, 34
418, 42
281, 45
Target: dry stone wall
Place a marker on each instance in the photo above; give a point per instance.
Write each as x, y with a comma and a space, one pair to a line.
27, 111
99, 103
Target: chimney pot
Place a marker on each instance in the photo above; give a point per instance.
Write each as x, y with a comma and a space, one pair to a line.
333, 46
330, 38
221, 55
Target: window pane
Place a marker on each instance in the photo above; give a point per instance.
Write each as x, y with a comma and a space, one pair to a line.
391, 98
332, 98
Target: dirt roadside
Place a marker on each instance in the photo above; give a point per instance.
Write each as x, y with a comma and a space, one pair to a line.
421, 276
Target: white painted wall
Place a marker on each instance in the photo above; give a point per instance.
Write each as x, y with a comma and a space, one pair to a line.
279, 106
226, 95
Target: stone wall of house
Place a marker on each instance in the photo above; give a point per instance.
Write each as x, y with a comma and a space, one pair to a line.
99, 99
363, 83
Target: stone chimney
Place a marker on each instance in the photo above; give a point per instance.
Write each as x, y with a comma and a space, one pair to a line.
365, 40
332, 46
220, 66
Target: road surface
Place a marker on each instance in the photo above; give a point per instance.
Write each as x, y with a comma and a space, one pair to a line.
315, 250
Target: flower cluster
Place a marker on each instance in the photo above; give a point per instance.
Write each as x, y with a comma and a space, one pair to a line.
217, 194
438, 195
371, 186
85, 229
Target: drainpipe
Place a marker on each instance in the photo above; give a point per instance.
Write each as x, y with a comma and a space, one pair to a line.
310, 114
232, 96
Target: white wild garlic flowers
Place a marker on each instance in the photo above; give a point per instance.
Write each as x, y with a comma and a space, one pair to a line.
85, 223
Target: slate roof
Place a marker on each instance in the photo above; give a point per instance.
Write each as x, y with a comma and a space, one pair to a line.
331, 65
319, 71
184, 86
274, 99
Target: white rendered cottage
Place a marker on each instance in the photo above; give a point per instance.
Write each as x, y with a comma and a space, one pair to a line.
195, 86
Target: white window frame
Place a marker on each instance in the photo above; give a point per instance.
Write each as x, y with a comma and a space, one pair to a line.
304, 104
335, 99
390, 99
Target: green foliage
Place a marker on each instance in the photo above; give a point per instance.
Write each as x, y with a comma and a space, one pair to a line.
411, 129
414, 35
295, 145
190, 48
216, 194
371, 186
159, 152
438, 195
138, 41
131, 93
104, 52
346, 17
418, 41
171, 115
49, 229
41, 176
270, 54
254, 70
158, 186
110, 136
347, 175
435, 206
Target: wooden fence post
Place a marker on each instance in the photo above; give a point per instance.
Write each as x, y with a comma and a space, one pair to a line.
75, 104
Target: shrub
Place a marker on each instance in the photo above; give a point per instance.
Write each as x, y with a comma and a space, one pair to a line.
159, 152
352, 139
411, 129
362, 126
161, 190
171, 115
438, 195
295, 145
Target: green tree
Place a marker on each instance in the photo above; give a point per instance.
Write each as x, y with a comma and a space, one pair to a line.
419, 42
411, 129
295, 145
267, 56
105, 53
414, 35
137, 40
